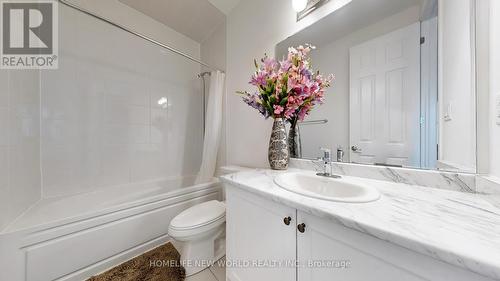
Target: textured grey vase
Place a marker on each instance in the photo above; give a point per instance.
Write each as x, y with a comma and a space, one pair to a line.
294, 143
278, 146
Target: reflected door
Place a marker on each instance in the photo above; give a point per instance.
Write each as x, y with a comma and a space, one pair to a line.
385, 99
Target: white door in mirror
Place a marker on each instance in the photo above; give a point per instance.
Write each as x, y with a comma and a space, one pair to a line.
384, 99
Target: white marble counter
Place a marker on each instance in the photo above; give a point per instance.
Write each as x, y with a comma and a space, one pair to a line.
459, 228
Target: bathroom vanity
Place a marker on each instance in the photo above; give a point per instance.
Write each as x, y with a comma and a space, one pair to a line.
409, 233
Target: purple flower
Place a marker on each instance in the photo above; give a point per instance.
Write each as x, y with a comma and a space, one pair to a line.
259, 79
252, 100
269, 63
289, 88
285, 65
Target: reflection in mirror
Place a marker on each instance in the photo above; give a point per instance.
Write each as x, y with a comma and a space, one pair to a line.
404, 89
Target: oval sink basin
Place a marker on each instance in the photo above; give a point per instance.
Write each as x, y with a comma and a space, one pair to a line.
344, 189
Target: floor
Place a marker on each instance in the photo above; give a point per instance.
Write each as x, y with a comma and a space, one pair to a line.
217, 272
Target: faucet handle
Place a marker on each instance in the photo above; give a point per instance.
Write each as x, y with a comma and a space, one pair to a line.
327, 153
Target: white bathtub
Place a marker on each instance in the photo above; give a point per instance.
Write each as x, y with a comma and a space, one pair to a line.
72, 238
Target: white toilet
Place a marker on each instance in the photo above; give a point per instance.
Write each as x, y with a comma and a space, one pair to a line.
201, 230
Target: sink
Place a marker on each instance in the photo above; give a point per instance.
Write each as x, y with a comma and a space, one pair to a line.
345, 189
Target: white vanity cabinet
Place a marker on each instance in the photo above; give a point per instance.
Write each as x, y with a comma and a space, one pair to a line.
257, 232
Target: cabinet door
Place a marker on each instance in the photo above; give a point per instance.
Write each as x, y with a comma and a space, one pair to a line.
328, 252
258, 238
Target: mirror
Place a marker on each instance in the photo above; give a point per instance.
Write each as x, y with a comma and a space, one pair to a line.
404, 89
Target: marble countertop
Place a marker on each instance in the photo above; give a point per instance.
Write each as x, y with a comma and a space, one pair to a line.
462, 229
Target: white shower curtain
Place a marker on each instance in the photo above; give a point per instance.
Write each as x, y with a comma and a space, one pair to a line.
213, 126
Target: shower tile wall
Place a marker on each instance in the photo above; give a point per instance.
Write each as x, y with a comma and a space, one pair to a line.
103, 121
19, 142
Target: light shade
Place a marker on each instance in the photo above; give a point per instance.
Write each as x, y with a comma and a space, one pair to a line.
299, 5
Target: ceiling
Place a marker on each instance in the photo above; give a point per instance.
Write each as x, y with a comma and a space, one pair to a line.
224, 5
197, 19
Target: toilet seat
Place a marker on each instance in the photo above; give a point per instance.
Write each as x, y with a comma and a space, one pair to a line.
198, 220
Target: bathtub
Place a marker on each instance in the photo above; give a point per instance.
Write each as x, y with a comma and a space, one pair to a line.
75, 237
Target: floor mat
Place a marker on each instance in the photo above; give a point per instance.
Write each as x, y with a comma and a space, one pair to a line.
159, 264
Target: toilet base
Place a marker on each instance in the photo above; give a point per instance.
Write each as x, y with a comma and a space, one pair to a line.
200, 254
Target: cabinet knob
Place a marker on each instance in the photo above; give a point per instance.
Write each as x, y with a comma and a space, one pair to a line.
287, 220
301, 227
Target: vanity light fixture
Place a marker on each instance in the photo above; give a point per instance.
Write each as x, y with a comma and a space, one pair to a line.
313, 5
299, 5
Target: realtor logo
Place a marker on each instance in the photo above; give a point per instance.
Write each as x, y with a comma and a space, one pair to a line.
29, 34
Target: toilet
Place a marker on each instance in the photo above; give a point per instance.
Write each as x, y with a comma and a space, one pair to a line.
201, 232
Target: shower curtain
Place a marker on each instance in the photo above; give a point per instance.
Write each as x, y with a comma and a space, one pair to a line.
213, 126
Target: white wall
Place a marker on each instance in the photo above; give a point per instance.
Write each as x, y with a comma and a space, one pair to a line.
19, 142
254, 28
213, 52
457, 145
334, 58
494, 87
101, 122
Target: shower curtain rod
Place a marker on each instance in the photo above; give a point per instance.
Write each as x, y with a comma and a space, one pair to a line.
87, 12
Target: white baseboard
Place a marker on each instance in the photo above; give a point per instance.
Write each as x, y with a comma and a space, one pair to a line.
115, 260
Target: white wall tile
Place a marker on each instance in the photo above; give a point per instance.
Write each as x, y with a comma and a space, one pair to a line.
24, 169
20, 144
4, 126
138, 115
4, 186
101, 122
4, 87
57, 168
114, 166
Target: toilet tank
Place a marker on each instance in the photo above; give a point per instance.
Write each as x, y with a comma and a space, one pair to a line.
226, 170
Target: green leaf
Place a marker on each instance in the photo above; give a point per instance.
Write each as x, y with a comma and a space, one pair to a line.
267, 106
272, 100
265, 97
284, 101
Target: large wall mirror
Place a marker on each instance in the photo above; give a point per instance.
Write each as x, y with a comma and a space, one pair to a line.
404, 92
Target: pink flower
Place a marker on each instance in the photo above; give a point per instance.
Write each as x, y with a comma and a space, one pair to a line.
278, 109
269, 64
285, 65
303, 112
289, 88
289, 112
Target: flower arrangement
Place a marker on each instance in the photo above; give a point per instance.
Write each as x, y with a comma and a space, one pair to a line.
286, 90
289, 88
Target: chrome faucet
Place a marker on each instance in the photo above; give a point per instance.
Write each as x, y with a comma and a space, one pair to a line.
326, 161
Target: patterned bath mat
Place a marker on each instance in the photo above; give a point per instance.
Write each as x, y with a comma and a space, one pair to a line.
159, 264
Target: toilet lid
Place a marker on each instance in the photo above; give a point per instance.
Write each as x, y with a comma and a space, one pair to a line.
199, 215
